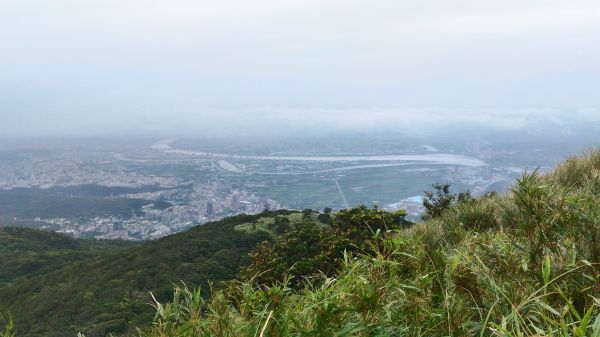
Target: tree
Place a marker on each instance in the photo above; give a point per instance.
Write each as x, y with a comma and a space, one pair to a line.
295, 253
281, 225
310, 248
361, 223
325, 217
440, 199
306, 213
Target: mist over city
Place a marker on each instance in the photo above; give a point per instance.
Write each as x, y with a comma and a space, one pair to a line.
111, 68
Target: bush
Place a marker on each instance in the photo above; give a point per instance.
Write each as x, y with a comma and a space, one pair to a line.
440, 199
312, 248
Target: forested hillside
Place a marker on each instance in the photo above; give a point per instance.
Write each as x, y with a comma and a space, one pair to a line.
56, 286
27, 252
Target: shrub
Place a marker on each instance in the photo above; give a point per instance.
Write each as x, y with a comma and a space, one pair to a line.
312, 248
440, 199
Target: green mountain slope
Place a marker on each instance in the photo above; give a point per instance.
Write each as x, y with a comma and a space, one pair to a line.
76, 285
27, 252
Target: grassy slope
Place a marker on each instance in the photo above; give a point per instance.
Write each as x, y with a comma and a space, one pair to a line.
524, 264
109, 292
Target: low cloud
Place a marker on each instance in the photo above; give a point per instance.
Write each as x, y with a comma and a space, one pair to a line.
72, 67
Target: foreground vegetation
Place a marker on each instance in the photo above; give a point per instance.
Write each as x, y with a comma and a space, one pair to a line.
524, 264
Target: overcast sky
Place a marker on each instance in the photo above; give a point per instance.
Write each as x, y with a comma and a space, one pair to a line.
72, 67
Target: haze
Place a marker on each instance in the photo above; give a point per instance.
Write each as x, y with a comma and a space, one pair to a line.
73, 67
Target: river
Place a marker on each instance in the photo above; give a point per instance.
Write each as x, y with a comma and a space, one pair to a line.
432, 158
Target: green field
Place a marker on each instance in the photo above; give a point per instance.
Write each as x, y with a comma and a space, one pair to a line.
368, 186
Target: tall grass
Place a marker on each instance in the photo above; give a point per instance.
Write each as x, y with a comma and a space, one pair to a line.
578, 171
380, 297
6, 326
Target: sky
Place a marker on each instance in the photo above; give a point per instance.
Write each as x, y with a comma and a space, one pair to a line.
102, 67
